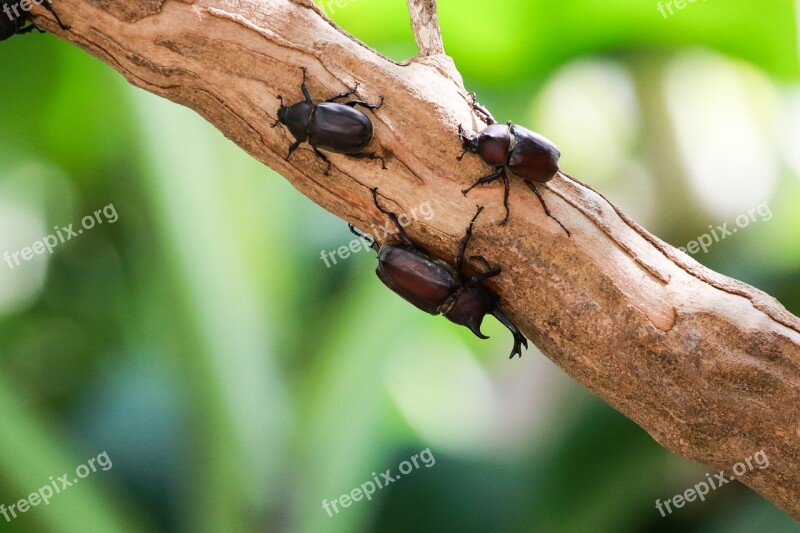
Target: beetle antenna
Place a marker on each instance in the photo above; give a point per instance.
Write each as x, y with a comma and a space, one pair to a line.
278, 120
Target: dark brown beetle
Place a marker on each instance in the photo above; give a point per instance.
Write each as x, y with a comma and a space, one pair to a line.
331, 126
437, 288
525, 153
14, 17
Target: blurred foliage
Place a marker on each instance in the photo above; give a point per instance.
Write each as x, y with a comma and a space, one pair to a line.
236, 382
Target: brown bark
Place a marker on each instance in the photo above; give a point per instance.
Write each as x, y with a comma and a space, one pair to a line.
706, 364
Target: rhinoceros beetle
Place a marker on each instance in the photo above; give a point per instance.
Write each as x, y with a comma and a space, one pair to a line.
436, 287
329, 125
523, 152
14, 17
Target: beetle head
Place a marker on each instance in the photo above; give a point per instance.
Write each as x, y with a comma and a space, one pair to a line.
283, 112
470, 306
296, 117
469, 141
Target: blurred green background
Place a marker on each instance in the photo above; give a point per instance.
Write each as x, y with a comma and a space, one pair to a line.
236, 382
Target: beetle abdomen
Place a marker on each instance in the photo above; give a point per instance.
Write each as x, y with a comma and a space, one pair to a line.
417, 279
534, 157
339, 128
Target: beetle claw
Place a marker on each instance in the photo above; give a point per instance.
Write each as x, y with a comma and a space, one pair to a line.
519, 338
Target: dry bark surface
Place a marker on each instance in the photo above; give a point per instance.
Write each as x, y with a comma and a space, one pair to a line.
706, 364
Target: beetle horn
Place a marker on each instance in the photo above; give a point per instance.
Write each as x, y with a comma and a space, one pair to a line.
474, 326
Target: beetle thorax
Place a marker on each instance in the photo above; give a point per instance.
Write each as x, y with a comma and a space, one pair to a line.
494, 144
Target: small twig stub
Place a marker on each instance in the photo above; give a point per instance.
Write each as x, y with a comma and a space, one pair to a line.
425, 23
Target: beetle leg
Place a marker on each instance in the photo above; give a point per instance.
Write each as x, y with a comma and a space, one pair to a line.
519, 338
292, 148
403, 235
343, 95
478, 278
363, 236
499, 173
489, 273
368, 155
371, 107
482, 260
48, 7
324, 158
546, 210
481, 110
29, 28
304, 87
462, 249
506, 191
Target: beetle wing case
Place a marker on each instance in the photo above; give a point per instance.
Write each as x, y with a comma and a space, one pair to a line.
339, 128
419, 280
533, 157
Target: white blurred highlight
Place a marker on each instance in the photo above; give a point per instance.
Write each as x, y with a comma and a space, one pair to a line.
20, 226
452, 403
590, 110
721, 112
790, 131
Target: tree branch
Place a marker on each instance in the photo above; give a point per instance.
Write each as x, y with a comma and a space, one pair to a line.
706, 364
